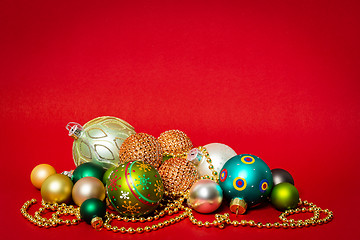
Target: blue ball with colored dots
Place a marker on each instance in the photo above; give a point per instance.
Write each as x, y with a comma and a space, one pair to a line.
246, 181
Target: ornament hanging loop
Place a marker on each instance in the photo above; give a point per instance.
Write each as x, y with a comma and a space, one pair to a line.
74, 129
97, 223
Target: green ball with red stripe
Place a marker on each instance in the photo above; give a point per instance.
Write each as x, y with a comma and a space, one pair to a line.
134, 188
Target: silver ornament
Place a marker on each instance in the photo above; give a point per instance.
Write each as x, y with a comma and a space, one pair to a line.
219, 154
205, 196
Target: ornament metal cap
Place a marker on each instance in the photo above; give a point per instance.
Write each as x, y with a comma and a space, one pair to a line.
194, 156
238, 206
97, 223
74, 129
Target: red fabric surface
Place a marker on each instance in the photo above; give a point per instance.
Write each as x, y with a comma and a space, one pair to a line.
277, 79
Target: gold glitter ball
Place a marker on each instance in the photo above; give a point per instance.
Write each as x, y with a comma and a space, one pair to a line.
143, 147
175, 142
178, 174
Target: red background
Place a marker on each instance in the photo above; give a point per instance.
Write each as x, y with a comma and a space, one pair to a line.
278, 79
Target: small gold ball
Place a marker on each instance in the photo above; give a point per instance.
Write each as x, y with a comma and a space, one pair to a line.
40, 173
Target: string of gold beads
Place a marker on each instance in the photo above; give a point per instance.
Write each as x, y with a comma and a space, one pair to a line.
206, 154
173, 206
221, 220
55, 220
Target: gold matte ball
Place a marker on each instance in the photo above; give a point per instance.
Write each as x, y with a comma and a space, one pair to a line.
178, 174
40, 173
174, 142
57, 189
143, 147
86, 188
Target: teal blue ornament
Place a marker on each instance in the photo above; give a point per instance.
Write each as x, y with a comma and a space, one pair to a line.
246, 181
88, 169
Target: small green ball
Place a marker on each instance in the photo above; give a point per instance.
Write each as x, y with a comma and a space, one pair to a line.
88, 169
92, 208
107, 174
284, 196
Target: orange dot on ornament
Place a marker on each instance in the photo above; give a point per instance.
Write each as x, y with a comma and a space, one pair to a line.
40, 173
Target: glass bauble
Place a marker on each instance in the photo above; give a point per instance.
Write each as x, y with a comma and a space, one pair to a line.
219, 154
205, 196
93, 209
86, 188
246, 181
284, 196
99, 140
88, 169
57, 189
134, 188
40, 173
281, 175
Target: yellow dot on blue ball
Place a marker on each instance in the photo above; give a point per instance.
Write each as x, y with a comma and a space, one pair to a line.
239, 183
247, 159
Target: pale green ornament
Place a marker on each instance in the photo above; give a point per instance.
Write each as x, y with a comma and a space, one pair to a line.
99, 140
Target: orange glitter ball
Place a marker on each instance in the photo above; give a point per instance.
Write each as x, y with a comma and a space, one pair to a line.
178, 174
175, 142
143, 147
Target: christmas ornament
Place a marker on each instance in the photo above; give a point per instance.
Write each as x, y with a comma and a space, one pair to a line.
215, 154
281, 175
68, 173
40, 173
246, 181
99, 140
143, 147
205, 196
174, 143
86, 188
93, 211
284, 196
178, 174
134, 188
107, 174
88, 169
57, 189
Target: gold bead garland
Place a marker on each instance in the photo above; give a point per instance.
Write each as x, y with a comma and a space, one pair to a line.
170, 205
58, 209
221, 220
215, 176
